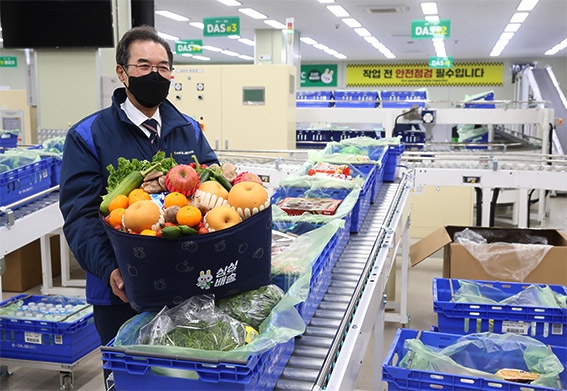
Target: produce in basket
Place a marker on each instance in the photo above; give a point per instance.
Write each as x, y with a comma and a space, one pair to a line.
179, 198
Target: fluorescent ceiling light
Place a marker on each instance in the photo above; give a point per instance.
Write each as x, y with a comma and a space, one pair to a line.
233, 36
362, 32
338, 11
371, 40
211, 48
429, 8
308, 41
168, 37
320, 46
498, 48
340, 56
229, 3
202, 58
557, 48
174, 16
229, 53
245, 57
252, 13
432, 18
352, 22
506, 36
519, 17
247, 41
512, 27
275, 24
527, 5
198, 25
187, 55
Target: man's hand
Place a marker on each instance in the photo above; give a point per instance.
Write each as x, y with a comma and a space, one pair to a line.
117, 285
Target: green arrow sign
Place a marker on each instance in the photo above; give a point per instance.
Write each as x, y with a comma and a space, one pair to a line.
189, 46
422, 29
440, 62
11, 62
220, 27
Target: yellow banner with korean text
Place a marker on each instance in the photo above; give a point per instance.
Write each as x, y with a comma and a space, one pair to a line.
420, 75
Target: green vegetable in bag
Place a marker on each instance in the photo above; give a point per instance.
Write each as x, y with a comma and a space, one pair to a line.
254, 306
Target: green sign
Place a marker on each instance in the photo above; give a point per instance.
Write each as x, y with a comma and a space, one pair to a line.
422, 29
319, 75
221, 27
189, 46
440, 62
9, 62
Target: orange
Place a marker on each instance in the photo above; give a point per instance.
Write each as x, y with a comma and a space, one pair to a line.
148, 232
189, 215
120, 201
175, 198
138, 195
115, 217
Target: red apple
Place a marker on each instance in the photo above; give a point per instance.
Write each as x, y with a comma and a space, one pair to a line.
182, 178
246, 176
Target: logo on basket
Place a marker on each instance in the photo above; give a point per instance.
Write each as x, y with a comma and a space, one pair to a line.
204, 280
225, 275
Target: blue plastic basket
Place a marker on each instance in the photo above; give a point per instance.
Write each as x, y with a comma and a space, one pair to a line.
402, 99
25, 181
43, 340
362, 99
392, 167
136, 371
314, 98
548, 325
485, 97
8, 140
404, 379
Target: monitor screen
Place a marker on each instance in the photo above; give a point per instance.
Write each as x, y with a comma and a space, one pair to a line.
56, 23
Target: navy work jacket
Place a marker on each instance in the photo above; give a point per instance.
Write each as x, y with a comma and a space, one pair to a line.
90, 146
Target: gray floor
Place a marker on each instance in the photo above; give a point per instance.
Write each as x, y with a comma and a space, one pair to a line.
88, 375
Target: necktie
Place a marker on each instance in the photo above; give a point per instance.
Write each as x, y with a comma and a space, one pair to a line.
151, 125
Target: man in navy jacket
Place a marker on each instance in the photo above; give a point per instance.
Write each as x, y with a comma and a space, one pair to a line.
144, 65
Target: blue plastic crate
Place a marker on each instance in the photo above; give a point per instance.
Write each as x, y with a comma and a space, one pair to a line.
548, 325
482, 139
485, 97
314, 98
25, 181
8, 140
392, 167
362, 99
136, 371
402, 99
404, 379
43, 340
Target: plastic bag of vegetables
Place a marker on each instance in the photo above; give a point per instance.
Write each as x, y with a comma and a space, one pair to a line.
197, 324
254, 306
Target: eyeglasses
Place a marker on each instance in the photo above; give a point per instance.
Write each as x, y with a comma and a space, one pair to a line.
144, 69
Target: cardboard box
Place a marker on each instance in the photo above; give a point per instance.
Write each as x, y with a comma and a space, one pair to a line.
458, 262
23, 266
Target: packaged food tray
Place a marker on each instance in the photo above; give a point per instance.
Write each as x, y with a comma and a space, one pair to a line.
362, 205
404, 379
25, 181
546, 324
26, 338
136, 371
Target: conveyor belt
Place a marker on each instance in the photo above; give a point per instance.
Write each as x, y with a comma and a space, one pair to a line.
306, 363
8, 215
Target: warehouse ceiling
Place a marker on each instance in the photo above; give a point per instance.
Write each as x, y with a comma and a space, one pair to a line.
475, 27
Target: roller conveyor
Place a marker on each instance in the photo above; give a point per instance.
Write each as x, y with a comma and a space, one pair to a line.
318, 349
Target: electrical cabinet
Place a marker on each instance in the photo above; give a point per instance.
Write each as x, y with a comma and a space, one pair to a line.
240, 107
